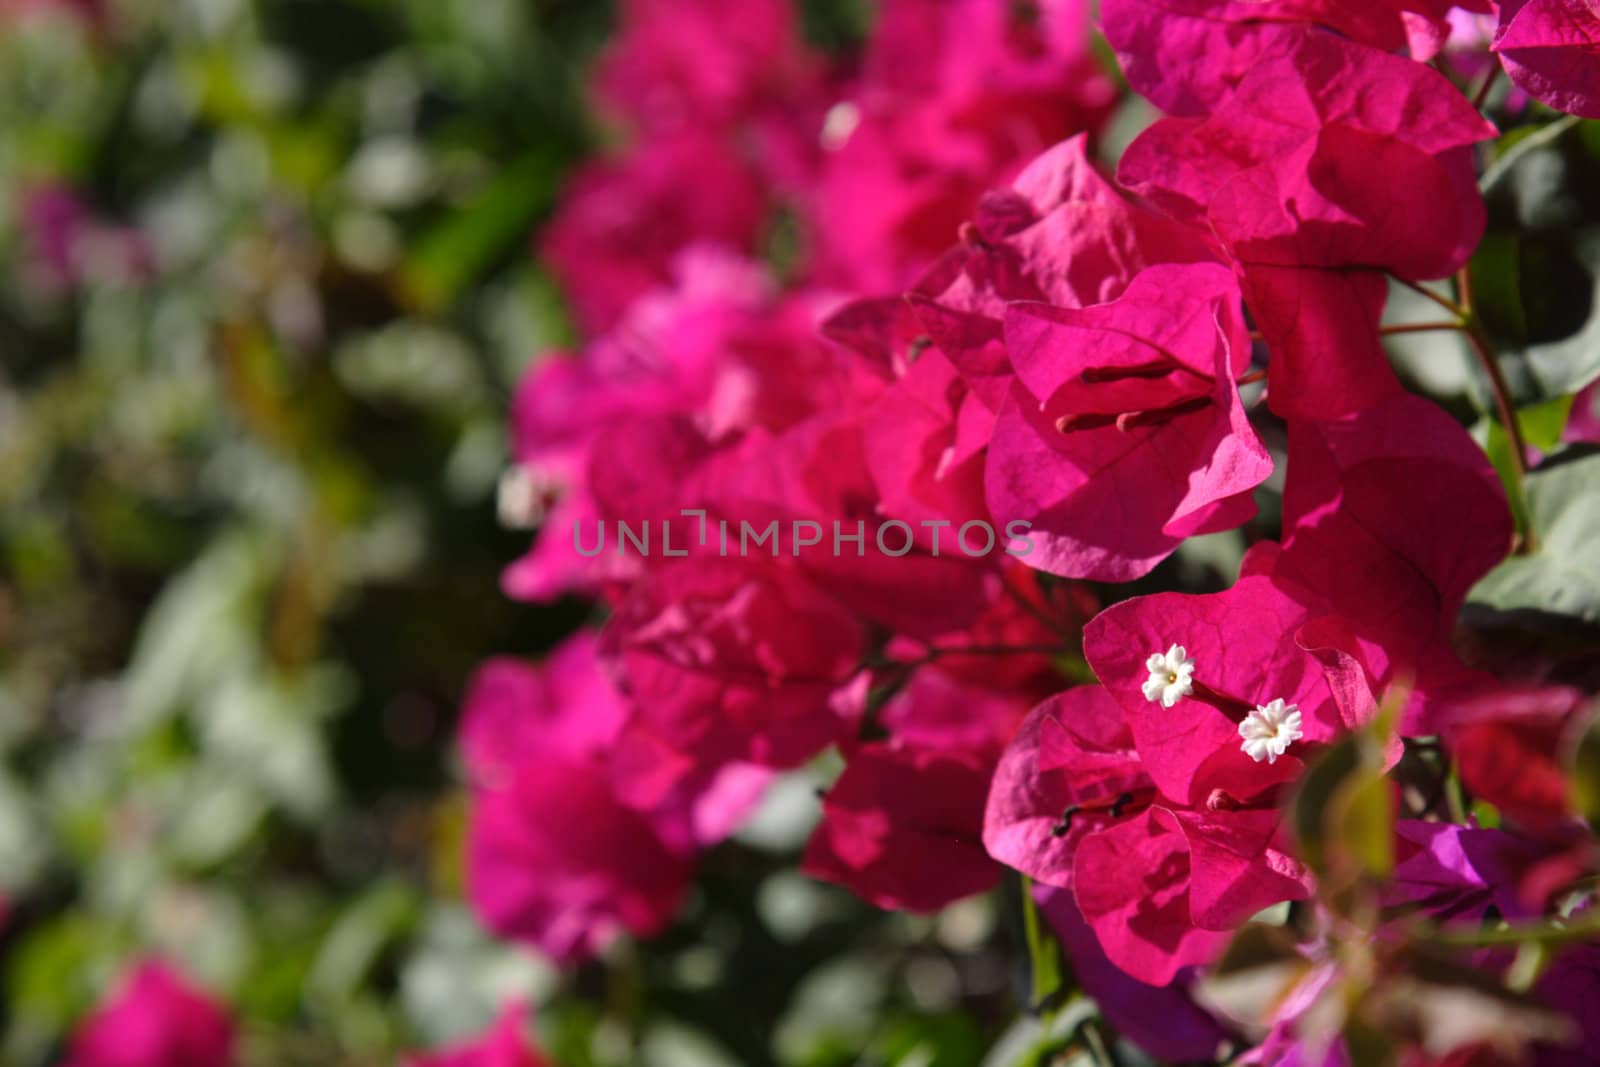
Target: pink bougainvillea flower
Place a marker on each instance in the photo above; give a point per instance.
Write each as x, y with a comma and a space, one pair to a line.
1062, 234
553, 566
154, 1018
1020, 612
1162, 1020
1131, 882
924, 438
1250, 645
919, 431
706, 62
948, 482
516, 712
623, 220
1075, 235
1329, 160
736, 71
579, 832
955, 96
1551, 49
555, 859
608, 434
736, 659
503, 1045
902, 828
1322, 328
1572, 985
890, 198
1160, 880
1073, 753
942, 711
966, 54
1459, 873
1583, 425
818, 472
1389, 517
1510, 741
1127, 433
715, 343
1186, 56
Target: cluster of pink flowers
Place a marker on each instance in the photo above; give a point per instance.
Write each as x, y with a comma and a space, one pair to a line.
974, 323
904, 292
716, 395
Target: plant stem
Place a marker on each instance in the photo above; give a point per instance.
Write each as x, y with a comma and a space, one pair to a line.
1533, 142
1422, 290
1482, 95
1483, 348
1418, 327
1455, 797
1550, 932
1097, 1045
1044, 957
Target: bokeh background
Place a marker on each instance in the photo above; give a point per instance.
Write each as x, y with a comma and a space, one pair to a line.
265, 287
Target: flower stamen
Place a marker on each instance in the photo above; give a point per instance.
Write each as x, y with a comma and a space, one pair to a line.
1269, 730
1171, 676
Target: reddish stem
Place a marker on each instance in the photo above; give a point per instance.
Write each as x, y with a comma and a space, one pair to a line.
1482, 95
1483, 348
1420, 327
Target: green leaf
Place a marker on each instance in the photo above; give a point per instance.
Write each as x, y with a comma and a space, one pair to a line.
1044, 954
1542, 427
1563, 352
1536, 273
1308, 811
1495, 285
1364, 812
1543, 424
1563, 576
51, 974
1343, 812
379, 917
462, 247
950, 1040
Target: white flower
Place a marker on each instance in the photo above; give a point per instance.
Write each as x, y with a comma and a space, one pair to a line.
1171, 676
1270, 730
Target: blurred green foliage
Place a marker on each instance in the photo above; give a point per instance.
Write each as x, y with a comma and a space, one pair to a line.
250, 432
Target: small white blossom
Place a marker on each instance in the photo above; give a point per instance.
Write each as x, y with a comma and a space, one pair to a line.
1270, 730
1171, 676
